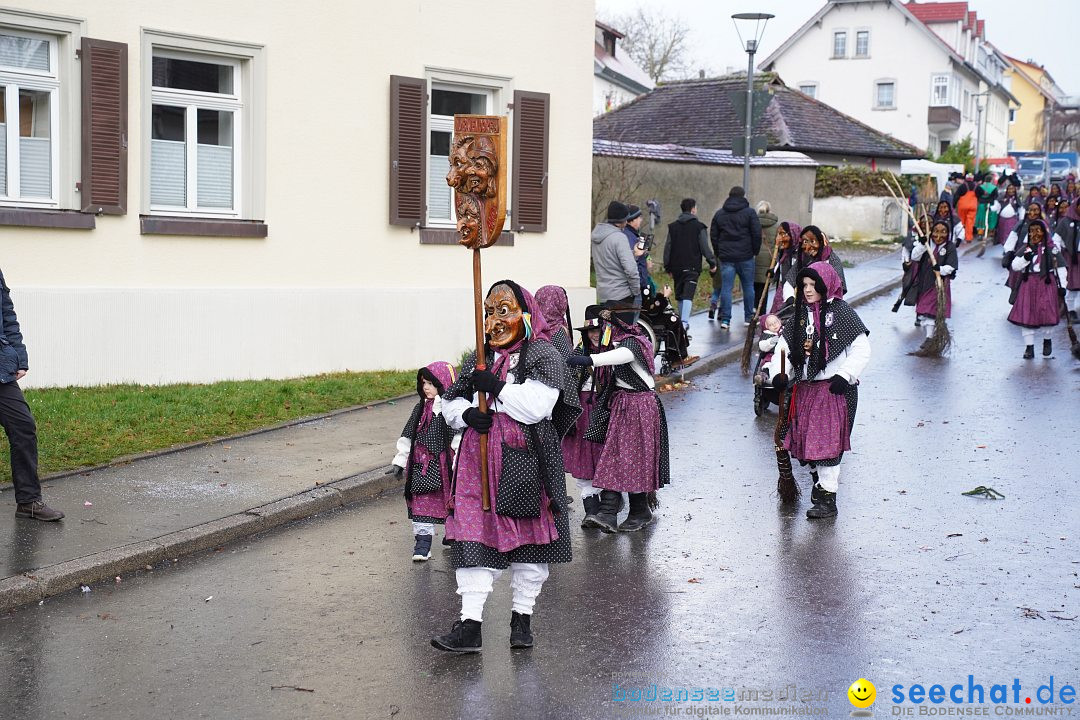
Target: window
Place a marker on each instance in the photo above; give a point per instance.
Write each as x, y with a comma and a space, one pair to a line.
862, 43
966, 109
196, 114
809, 89
839, 44
29, 119
1012, 115
884, 95
940, 86
203, 130
447, 101
944, 146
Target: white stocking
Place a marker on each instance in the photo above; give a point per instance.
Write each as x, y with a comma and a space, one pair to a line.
474, 585
829, 477
526, 580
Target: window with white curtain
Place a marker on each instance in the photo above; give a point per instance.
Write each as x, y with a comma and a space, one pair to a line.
447, 101
862, 43
195, 144
885, 95
29, 118
839, 44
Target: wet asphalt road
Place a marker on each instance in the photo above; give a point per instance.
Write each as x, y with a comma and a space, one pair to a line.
727, 589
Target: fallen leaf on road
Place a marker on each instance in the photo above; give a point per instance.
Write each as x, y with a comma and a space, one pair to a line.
981, 447
955, 535
118, 579
209, 599
88, 504
84, 588
694, 580
920, 424
1031, 613
925, 547
291, 687
957, 632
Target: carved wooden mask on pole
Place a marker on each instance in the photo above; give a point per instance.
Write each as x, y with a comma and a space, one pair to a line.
478, 176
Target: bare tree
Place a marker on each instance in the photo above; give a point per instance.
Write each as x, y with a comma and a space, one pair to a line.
614, 178
656, 42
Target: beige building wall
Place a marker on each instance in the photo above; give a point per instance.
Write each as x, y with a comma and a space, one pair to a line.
1026, 130
333, 286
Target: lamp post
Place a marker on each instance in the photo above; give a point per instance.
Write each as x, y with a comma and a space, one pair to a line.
760, 20
980, 132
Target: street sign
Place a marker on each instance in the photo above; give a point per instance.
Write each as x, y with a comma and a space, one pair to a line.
758, 143
762, 98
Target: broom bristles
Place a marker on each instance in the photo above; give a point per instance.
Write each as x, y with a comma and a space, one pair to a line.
748, 345
941, 341
786, 487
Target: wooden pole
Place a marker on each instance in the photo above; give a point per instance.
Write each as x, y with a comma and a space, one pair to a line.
481, 364
751, 330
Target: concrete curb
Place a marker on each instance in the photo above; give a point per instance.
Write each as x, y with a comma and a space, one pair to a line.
711, 362
43, 582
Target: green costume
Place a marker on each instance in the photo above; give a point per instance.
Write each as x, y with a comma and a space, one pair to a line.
985, 217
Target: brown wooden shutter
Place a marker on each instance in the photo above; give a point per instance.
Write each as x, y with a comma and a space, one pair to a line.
408, 164
529, 186
104, 127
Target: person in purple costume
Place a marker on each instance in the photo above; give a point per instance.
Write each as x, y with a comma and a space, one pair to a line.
628, 418
580, 456
526, 526
1035, 299
827, 349
924, 286
425, 456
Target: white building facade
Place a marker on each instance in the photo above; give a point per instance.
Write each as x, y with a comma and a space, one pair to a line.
616, 78
212, 191
926, 83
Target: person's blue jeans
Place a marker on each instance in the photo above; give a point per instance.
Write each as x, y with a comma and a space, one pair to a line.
745, 270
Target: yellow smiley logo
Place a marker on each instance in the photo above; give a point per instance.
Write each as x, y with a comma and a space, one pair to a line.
862, 693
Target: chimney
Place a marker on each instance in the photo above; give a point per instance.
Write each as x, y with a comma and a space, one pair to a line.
701, 74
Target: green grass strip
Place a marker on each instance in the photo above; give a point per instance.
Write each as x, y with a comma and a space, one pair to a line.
84, 426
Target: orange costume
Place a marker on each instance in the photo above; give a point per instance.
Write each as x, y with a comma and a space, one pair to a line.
966, 208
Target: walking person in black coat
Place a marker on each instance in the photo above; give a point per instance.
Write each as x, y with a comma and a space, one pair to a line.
736, 240
16, 418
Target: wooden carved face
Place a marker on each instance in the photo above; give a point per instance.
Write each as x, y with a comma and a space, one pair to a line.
469, 221
811, 246
503, 320
783, 240
940, 234
473, 166
1036, 234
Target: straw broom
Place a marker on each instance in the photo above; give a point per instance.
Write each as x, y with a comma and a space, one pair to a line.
786, 486
751, 329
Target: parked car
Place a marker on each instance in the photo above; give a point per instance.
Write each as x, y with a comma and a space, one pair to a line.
1060, 169
1034, 170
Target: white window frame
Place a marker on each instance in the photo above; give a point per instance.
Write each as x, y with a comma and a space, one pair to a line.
192, 101
12, 80
877, 85
950, 89
499, 93
835, 33
859, 31
249, 125
813, 86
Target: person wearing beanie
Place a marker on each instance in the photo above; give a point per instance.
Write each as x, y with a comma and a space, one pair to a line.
618, 283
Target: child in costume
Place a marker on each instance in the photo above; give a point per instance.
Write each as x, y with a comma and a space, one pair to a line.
425, 456
923, 294
579, 455
1036, 302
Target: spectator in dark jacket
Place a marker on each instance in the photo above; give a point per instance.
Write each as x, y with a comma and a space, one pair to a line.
16, 418
687, 243
736, 240
633, 236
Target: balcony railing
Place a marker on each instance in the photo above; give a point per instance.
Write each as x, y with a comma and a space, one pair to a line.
943, 116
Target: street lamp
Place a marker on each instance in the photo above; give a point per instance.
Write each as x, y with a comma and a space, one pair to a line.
760, 20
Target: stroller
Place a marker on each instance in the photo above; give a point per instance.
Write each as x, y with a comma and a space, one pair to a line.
661, 323
764, 392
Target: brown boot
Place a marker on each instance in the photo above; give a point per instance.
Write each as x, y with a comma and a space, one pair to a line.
37, 510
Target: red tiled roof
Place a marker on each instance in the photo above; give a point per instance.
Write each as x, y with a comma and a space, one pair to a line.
939, 12
982, 29
971, 22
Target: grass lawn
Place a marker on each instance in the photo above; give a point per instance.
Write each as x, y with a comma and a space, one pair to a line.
78, 426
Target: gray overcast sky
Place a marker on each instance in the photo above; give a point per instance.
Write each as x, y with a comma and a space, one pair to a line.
1044, 31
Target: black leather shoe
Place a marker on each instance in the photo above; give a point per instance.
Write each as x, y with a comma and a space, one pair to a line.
606, 516
1048, 347
1029, 352
824, 507
640, 516
37, 510
464, 637
520, 633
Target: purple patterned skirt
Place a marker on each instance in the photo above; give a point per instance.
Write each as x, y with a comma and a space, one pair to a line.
1037, 303
1004, 227
927, 304
818, 423
1072, 273
630, 459
469, 521
431, 507
579, 455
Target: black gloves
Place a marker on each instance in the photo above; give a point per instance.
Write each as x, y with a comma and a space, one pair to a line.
780, 381
396, 470
838, 385
579, 360
486, 381
478, 421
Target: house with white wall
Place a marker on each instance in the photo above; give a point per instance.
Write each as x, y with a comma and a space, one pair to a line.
617, 79
241, 190
921, 72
